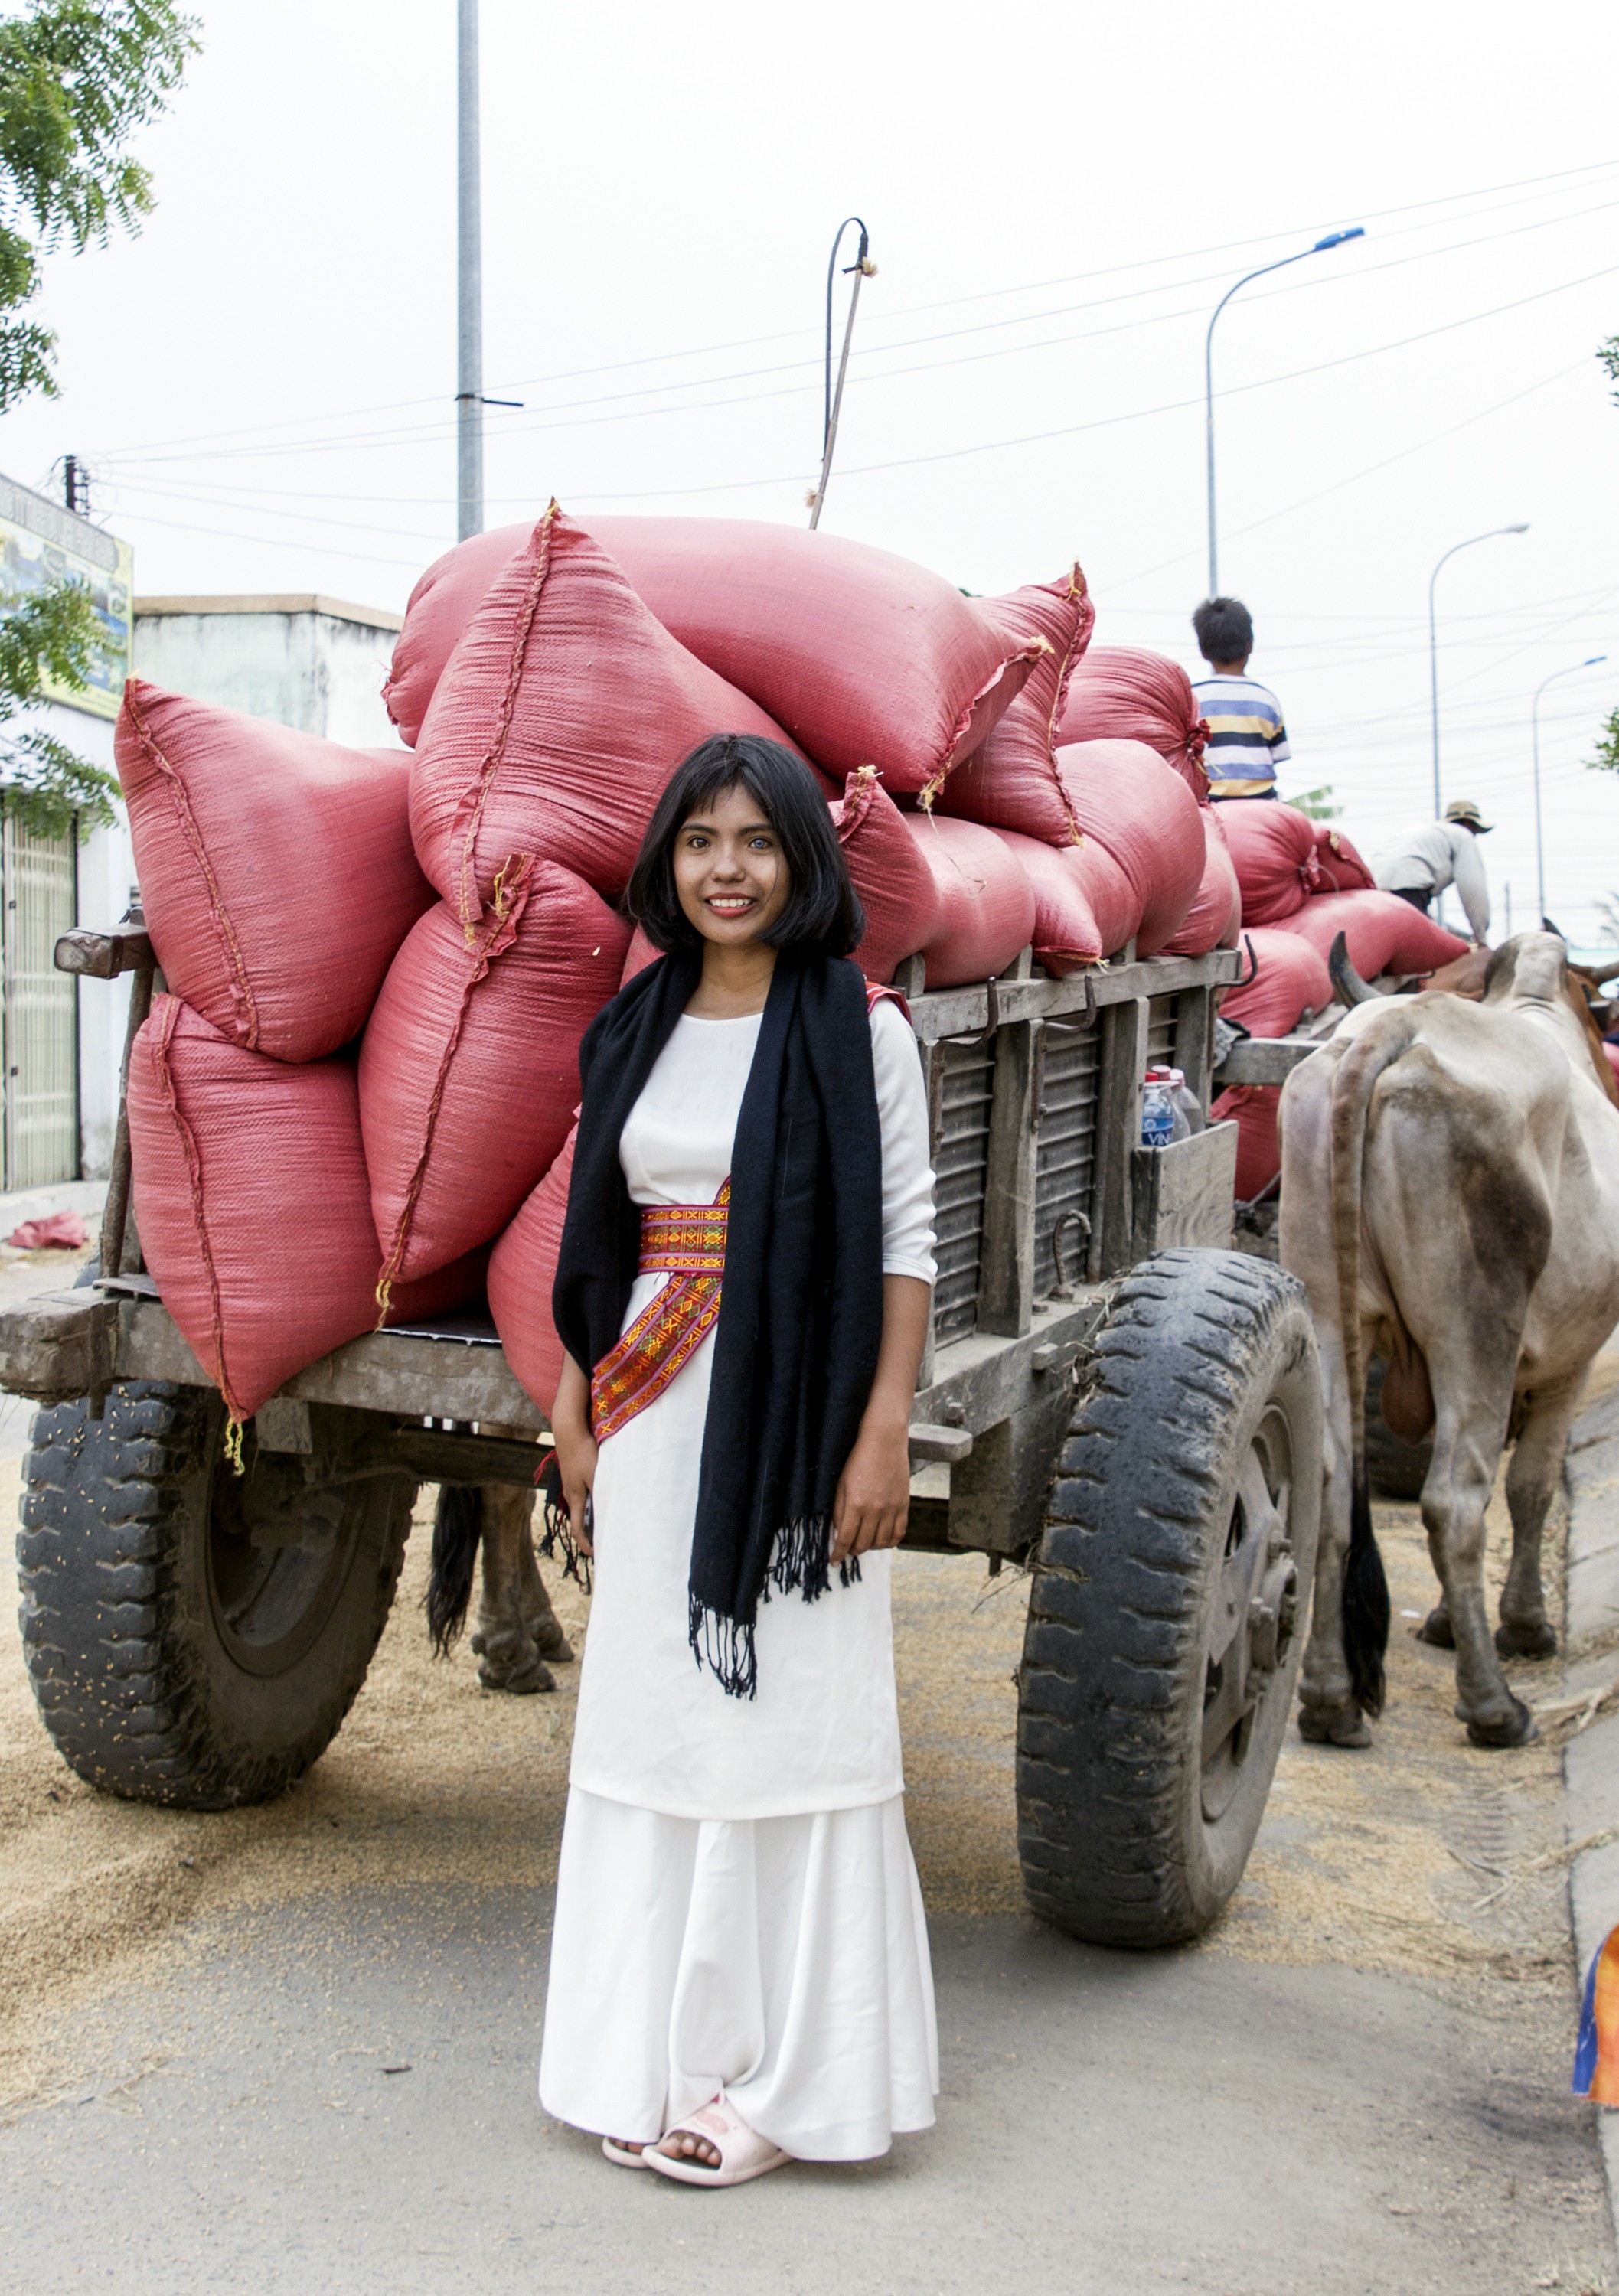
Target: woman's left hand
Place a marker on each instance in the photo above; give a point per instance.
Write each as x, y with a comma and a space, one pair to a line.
873, 1499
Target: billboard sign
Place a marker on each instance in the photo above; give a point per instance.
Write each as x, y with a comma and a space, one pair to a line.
40, 544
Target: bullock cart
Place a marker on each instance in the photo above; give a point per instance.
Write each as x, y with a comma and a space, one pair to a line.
1111, 1400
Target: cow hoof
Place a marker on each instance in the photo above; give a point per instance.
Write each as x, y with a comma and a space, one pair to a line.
1525, 1641
1333, 1725
521, 1682
1517, 1729
551, 1642
1436, 1629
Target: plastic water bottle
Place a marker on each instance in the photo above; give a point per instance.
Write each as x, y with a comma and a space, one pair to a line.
1188, 1115
1157, 1109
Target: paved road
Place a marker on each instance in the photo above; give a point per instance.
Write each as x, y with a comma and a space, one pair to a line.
1108, 2124
1360, 2084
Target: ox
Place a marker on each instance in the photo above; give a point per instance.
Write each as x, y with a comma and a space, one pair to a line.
1451, 1200
517, 1629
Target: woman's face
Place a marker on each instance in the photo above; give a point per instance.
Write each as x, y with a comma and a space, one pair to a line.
730, 873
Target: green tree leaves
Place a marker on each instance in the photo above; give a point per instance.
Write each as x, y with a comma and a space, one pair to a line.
48, 633
77, 78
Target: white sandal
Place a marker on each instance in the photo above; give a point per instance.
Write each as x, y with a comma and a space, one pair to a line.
743, 2153
622, 2157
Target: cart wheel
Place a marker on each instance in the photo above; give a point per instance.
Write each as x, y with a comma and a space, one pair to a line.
1173, 1574
1397, 1470
195, 1637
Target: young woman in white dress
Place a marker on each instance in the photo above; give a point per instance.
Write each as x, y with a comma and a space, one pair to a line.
739, 1964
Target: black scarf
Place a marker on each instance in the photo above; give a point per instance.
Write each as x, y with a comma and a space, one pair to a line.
801, 1316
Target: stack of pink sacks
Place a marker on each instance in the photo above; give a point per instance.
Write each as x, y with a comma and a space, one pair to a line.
354, 1103
1303, 883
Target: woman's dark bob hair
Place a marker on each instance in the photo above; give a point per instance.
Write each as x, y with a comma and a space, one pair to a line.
823, 914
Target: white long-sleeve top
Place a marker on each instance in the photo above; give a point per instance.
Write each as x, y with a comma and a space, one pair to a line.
653, 1730
1434, 854
676, 1148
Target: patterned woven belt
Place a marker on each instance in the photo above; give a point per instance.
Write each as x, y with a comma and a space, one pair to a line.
684, 1239
686, 1243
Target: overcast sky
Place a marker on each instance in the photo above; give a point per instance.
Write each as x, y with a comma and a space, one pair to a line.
261, 383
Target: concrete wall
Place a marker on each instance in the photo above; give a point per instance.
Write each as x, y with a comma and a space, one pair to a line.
106, 878
306, 661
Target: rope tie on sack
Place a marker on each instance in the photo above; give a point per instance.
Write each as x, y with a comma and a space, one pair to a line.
514, 882
468, 817
194, 1168
242, 993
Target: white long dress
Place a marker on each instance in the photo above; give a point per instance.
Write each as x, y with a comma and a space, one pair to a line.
736, 1903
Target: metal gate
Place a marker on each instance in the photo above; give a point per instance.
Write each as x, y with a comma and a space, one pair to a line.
39, 878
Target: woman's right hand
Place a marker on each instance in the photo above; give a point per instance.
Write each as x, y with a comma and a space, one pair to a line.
575, 1448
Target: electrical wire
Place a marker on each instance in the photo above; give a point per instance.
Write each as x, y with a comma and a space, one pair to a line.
878, 349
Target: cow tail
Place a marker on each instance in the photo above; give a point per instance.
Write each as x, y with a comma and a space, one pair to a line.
1366, 1603
457, 1530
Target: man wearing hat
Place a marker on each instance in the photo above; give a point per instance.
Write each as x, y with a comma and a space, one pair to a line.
1434, 854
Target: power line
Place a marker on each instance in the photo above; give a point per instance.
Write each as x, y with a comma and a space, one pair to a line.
1596, 167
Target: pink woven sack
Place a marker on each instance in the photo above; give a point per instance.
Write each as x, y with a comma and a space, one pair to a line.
1012, 781
986, 904
253, 1205
437, 612
1124, 694
865, 658
557, 725
522, 1269
1288, 981
896, 885
1139, 810
469, 1072
1339, 866
1273, 848
1113, 900
276, 868
1385, 934
637, 957
1066, 935
1215, 917
1253, 1108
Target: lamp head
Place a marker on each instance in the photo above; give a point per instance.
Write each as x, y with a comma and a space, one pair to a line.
1516, 529
1337, 238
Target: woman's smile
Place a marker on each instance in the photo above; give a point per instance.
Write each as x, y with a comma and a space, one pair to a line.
730, 875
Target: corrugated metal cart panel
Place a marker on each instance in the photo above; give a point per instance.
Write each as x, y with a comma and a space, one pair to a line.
41, 1009
1070, 1067
963, 1075
1161, 1015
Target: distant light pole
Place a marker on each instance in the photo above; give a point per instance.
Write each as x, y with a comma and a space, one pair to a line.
1572, 670
1333, 239
1433, 640
832, 404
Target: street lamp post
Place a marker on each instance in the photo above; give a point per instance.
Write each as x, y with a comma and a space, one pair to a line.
861, 268
1572, 670
1433, 640
1333, 239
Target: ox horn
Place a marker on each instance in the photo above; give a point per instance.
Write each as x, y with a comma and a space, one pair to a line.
1350, 988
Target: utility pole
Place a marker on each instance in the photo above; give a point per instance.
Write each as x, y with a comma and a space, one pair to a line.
469, 281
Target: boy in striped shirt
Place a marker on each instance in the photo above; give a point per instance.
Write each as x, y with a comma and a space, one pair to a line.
1247, 740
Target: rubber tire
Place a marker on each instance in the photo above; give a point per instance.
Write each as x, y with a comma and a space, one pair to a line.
133, 1676
1397, 1470
1197, 1348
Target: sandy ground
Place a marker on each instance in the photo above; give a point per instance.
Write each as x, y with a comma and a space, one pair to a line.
1423, 1860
